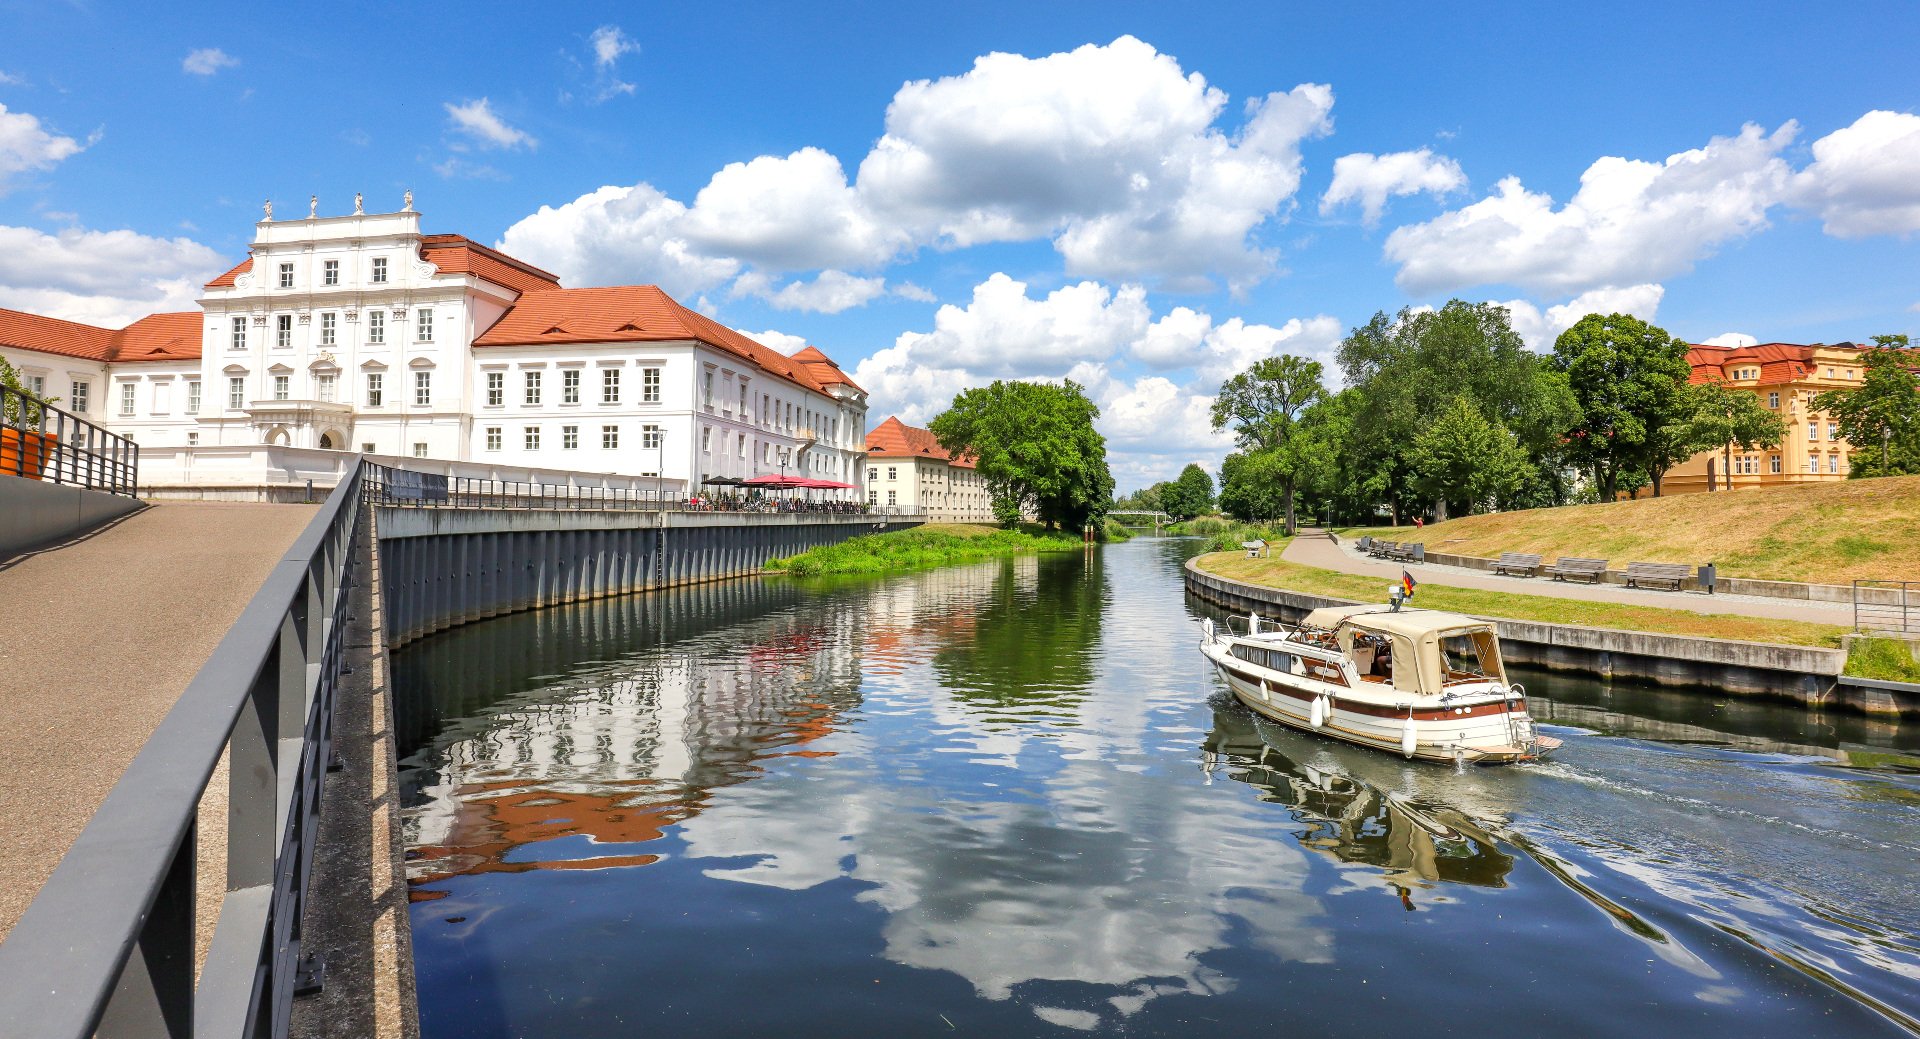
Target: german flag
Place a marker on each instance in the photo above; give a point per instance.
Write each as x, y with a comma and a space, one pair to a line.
1407, 582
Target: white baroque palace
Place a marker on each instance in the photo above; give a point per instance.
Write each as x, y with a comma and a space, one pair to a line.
360, 333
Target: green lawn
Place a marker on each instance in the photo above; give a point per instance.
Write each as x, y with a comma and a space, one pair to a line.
1274, 572
1831, 533
928, 545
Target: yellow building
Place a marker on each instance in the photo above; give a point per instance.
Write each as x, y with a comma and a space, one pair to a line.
1786, 376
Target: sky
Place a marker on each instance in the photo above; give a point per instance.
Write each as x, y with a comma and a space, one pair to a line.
1144, 198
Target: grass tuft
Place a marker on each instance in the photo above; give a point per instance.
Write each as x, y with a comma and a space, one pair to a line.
1889, 660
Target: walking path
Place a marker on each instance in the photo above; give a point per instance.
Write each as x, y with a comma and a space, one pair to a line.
102, 635
1314, 548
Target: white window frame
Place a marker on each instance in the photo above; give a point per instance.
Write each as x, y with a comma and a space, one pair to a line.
609, 438
609, 385
326, 386
531, 437
569, 385
649, 385
530, 387
423, 325
329, 327
283, 331
236, 392
193, 396
239, 340
570, 438
419, 449
651, 437
495, 436
376, 383
379, 276
77, 396
283, 387
496, 389
286, 275
330, 272
129, 397
423, 387
377, 327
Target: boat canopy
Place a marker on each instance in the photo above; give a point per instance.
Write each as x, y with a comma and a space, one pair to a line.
1445, 648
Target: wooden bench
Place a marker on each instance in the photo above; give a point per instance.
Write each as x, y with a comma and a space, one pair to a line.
1571, 566
1379, 549
1411, 552
1519, 564
1669, 574
1254, 548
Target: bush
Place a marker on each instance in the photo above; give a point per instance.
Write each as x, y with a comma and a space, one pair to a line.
1113, 530
1889, 660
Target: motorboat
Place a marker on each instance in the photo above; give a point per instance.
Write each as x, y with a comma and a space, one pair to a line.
1425, 684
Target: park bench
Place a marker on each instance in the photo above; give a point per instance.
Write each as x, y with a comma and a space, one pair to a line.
1669, 574
1254, 548
1519, 564
1378, 548
1365, 544
1412, 552
1572, 566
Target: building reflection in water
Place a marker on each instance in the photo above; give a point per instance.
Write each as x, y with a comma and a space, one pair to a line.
570, 738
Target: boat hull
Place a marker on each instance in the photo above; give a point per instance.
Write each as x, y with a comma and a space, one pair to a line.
1488, 734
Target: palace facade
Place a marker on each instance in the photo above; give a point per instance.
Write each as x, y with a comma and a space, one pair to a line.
1786, 377
360, 333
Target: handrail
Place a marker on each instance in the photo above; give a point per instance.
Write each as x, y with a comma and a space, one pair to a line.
107, 947
408, 488
1886, 607
41, 442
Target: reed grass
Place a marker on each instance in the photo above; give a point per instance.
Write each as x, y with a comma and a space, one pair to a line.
931, 545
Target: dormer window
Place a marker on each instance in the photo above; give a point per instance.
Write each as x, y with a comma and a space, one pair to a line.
286, 275
379, 270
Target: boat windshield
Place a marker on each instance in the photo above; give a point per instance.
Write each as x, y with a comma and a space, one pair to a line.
1470, 656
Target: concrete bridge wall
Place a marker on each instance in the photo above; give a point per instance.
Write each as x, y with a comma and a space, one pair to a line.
446, 567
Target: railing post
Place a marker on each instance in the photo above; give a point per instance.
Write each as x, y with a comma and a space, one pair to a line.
154, 996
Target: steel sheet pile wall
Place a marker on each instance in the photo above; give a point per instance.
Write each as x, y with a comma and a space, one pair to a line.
444, 568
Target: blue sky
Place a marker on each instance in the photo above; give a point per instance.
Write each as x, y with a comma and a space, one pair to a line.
939, 196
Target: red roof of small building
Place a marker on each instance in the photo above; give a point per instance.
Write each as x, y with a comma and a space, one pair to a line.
225, 281
895, 439
156, 337
634, 314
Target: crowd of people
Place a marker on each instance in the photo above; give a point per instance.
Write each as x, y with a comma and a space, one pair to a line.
767, 503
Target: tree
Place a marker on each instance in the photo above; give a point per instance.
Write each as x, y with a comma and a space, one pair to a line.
1462, 457
1262, 406
1725, 417
1036, 448
1671, 442
1626, 377
1881, 419
1190, 495
1250, 486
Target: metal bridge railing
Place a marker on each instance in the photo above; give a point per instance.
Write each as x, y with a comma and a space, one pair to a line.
107, 948
1886, 607
407, 488
41, 442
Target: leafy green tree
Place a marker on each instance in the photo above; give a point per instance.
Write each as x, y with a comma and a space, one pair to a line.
1463, 458
1881, 419
1626, 378
1189, 496
1727, 418
1250, 486
1672, 442
1405, 370
1262, 406
1036, 447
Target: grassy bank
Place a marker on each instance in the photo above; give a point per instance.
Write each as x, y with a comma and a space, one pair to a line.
930, 545
1275, 572
1824, 533
1885, 659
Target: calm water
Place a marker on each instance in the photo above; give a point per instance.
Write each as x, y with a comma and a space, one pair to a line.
1009, 800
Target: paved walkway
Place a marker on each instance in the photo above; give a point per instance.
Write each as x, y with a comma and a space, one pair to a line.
101, 636
1314, 548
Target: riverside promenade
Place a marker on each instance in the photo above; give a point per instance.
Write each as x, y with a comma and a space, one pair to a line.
105, 631
1315, 548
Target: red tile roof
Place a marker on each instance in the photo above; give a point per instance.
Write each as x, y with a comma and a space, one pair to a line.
634, 314
1779, 363
156, 337
454, 254
225, 281
823, 370
895, 439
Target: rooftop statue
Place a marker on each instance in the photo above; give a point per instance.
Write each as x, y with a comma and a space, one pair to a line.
269, 209
358, 209
313, 206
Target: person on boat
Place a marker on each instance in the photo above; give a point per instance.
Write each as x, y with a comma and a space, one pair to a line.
1383, 660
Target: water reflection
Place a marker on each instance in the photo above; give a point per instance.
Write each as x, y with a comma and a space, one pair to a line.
1348, 817
1006, 799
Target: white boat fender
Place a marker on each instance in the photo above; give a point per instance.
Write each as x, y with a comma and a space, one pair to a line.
1409, 736
1319, 714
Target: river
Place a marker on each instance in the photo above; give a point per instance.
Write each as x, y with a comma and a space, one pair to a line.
1009, 799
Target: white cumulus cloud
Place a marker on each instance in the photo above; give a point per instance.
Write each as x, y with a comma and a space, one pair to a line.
1371, 179
107, 278
25, 144
1865, 178
829, 293
1003, 331
208, 60
1731, 339
478, 122
777, 340
1541, 327
1631, 221
790, 213
617, 236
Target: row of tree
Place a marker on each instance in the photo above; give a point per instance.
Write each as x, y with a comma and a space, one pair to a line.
1447, 412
